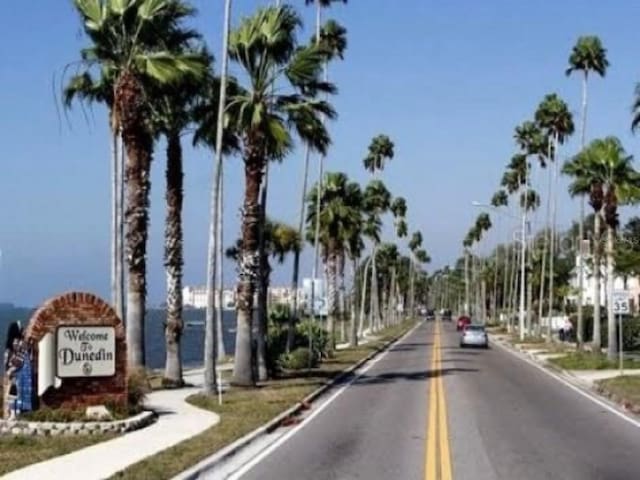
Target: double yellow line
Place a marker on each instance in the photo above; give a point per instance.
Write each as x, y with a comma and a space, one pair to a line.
437, 466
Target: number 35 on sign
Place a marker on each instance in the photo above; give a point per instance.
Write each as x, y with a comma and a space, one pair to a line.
620, 302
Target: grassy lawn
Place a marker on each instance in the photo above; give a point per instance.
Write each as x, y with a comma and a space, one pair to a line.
625, 388
515, 339
244, 410
18, 452
590, 361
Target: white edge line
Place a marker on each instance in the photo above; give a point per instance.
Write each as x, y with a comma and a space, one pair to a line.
585, 394
269, 449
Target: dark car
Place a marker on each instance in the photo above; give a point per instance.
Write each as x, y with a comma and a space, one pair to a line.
463, 321
446, 315
431, 314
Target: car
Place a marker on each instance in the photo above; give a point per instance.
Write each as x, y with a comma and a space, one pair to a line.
446, 315
474, 336
431, 314
463, 321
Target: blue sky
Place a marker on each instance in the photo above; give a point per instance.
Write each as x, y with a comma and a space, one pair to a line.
448, 81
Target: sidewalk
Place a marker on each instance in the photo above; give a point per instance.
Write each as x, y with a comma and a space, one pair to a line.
177, 421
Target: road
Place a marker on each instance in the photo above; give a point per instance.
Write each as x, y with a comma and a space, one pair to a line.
429, 409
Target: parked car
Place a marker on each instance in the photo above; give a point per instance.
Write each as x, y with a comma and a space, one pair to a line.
463, 321
474, 336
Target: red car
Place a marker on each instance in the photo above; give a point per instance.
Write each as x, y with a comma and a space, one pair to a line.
463, 321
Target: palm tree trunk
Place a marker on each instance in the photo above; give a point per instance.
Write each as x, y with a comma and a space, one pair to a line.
363, 294
353, 340
466, 282
505, 279
249, 265
412, 286
263, 285
173, 259
545, 246
580, 322
332, 297
529, 303
612, 344
597, 291
210, 378
494, 300
120, 245
552, 249
139, 144
373, 297
296, 256
114, 218
221, 351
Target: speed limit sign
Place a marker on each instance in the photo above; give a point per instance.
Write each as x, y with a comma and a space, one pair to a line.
620, 302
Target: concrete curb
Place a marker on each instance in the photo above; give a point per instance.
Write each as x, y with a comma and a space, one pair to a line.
232, 449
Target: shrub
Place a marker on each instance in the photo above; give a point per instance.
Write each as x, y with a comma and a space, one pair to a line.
319, 337
138, 388
298, 359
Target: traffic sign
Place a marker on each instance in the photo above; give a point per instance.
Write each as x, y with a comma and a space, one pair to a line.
620, 302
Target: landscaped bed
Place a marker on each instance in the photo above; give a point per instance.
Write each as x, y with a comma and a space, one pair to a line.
244, 410
624, 390
590, 361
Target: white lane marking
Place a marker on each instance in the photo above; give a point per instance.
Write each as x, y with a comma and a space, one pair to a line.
268, 450
585, 394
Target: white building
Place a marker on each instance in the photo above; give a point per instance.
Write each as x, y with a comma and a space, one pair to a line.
196, 297
628, 284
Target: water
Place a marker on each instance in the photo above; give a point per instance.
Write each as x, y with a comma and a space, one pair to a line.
192, 338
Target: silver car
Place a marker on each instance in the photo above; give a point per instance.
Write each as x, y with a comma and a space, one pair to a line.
474, 336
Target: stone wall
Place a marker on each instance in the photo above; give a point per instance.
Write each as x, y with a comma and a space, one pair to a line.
82, 309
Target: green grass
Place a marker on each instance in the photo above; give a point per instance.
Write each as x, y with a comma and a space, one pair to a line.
244, 410
515, 339
625, 388
20, 451
590, 361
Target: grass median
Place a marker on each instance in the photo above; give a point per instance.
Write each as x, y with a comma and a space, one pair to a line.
244, 410
624, 389
590, 361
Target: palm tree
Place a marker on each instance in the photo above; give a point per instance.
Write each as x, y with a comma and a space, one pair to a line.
172, 114
332, 41
605, 170
588, 55
377, 202
137, 42
415, 244
266, 49
555, 119
499, 199
340, 213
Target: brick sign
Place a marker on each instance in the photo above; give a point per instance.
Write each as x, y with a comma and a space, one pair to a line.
80, 352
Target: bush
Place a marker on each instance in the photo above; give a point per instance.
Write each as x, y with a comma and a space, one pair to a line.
319, 337
138, 388
298, 359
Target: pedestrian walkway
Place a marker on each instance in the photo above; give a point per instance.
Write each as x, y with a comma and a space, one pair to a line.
177, 421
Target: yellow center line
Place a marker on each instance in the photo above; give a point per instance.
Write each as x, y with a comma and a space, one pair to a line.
437, 467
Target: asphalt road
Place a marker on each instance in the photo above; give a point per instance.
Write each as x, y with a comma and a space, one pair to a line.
506, 420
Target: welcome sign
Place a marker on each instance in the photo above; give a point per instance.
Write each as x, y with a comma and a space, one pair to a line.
85, 351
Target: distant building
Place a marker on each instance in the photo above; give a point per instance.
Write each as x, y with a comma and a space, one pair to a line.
630, 284
196, 297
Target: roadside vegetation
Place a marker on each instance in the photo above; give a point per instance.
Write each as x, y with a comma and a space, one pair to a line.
591, 361
624, 390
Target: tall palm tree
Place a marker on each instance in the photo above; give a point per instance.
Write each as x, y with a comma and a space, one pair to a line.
588, 55
606, 171
172, 114
498, 200
331, 39
415, 244
340, 212
555, 119
266, 49
137, 42
377, 201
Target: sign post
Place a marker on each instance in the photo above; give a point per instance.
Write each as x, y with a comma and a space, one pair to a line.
620, 307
